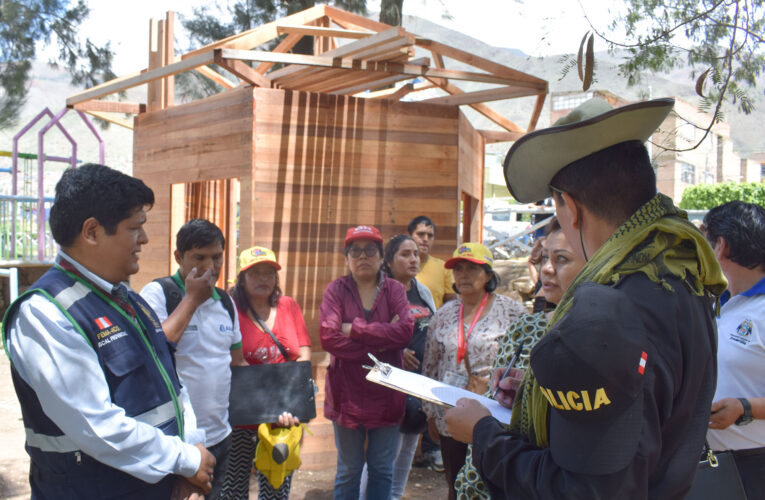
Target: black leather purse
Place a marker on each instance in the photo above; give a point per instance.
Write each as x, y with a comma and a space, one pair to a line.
260, 393
717, 477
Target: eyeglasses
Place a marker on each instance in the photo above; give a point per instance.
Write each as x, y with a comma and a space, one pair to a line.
555, 189
369, 251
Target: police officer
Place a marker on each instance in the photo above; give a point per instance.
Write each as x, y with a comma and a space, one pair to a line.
616, 403
104, 413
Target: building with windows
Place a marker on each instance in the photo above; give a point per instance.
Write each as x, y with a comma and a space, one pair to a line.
682, 151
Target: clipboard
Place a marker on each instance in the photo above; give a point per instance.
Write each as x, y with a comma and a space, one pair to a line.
429, 389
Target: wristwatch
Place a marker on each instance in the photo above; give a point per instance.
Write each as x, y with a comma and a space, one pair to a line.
746, 417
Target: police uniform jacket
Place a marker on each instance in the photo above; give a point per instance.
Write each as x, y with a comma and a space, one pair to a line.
677, 389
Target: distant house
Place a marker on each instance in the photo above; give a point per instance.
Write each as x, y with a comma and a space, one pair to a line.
678, 166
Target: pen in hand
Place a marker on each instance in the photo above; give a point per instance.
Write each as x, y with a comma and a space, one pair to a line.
513, 360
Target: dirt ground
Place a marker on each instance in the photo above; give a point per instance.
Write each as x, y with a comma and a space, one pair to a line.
314, 485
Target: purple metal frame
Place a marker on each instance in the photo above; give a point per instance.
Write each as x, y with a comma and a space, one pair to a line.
41, 158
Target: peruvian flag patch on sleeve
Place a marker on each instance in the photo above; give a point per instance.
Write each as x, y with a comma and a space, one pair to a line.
103, 322
643, 360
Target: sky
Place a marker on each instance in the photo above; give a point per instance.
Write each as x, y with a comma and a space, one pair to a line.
536, 27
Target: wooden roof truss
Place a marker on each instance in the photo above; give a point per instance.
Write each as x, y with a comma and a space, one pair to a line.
354, 56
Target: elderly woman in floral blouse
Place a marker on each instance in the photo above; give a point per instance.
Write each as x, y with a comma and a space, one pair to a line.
463, 339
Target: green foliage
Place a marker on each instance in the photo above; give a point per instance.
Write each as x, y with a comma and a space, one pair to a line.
707, 196
725, 37
391, 12
24, 24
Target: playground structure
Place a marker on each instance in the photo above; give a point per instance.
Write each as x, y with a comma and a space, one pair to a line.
290, 156
23, 216
27, 248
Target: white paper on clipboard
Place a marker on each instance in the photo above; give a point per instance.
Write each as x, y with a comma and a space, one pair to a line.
432, 390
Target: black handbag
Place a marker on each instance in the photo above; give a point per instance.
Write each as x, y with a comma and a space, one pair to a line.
415, 421
717, 477
260, 393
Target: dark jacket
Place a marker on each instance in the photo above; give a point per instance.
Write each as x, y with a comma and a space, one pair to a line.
140, 372
350, 400
678, 390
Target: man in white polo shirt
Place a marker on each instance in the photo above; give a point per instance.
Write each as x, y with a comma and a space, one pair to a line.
736, 230
201, 320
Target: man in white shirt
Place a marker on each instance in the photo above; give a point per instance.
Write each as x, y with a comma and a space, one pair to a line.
104, 412
736, 231
201, 321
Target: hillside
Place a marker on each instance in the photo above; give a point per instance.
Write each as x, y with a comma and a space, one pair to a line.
50, 87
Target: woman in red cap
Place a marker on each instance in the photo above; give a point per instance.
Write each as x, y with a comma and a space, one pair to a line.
463, 338
261, 307
361, 313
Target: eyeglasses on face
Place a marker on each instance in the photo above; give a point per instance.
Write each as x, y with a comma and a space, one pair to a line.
369, 251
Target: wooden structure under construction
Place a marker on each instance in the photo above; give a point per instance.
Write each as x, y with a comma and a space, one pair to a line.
291, 156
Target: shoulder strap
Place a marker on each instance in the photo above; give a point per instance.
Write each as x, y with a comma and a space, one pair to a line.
228, 304
173, 297
265, 328
173, 294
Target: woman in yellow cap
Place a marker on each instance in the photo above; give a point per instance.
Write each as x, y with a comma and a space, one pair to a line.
259, 301
463, 338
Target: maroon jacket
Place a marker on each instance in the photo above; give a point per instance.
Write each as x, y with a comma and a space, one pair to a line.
350, 400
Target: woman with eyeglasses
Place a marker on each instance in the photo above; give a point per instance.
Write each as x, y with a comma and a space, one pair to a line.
363, 312
402, 263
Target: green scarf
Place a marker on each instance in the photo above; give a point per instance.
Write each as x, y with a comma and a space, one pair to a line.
657, 241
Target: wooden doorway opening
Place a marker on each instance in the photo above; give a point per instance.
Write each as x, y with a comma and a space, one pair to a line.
216, 200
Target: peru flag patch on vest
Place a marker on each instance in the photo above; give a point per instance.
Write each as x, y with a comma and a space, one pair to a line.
103, 322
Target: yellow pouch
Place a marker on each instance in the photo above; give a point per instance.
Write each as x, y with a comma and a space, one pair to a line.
278, 452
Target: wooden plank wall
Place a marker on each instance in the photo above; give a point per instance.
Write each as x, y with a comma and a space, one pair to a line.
324, 163
309, 166
201, 140
471, 165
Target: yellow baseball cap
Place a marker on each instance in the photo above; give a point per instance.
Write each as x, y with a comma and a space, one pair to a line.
256, 255
471, 252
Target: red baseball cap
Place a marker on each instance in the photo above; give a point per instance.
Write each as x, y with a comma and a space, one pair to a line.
363, 233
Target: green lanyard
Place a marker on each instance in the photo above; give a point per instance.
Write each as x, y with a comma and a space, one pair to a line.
142, 330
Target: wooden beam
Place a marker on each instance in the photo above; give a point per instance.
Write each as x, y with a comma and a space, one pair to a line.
537, 112
401, 92
262, 34
348, 50
373, 66
168, 57
135, 79
243, 71
321, 43
497, 94
154, 91
438, 61
319, 31
355, 87
348, 19
492, 136
385, 92
483, 109
284, 46
395, 49
311, 75
117, 120
480, 62
216, 77
132, 108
